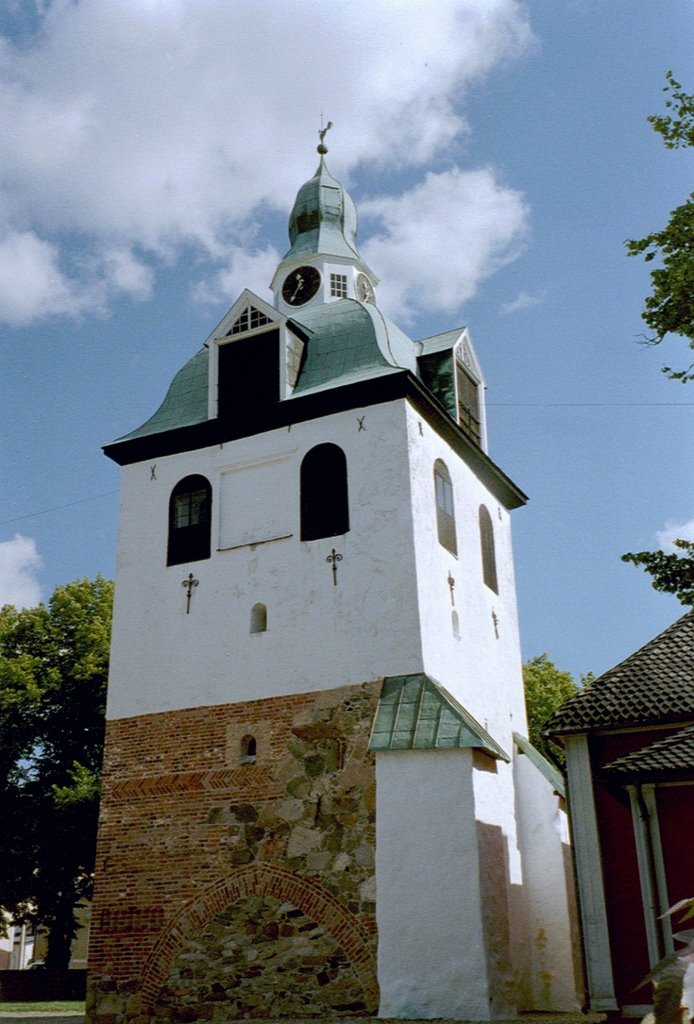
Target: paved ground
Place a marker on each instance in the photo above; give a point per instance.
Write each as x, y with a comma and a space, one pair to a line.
535, 1018
41, 1018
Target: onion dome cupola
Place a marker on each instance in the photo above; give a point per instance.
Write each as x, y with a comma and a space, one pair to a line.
323, 263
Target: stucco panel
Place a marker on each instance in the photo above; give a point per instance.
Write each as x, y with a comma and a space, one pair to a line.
164, 657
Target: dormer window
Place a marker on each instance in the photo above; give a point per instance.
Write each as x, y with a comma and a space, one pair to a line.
468, 402
248, 375
250, 320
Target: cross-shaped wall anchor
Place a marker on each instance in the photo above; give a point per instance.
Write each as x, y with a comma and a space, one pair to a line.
190, 582
334, 558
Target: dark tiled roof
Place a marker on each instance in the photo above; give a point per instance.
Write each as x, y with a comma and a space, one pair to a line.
674, 754
653, 685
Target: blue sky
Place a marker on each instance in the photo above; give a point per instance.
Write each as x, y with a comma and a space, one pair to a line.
499, 155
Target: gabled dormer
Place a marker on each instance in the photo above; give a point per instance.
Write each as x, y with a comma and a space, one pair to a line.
254, 360
449, 367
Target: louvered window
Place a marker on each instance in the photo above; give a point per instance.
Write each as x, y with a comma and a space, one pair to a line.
468, 402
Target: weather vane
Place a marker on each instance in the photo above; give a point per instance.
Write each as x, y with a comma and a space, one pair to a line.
322, 148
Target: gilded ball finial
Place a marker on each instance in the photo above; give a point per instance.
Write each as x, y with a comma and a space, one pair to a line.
322, 148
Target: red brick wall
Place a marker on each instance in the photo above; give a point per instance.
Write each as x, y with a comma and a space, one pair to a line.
186, 830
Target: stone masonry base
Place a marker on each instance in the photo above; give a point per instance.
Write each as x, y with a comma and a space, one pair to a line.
235, 872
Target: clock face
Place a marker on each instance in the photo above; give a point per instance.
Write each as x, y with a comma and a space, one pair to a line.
365, 290
301, 285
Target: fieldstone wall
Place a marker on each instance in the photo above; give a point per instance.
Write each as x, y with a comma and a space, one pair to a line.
260, 958
233, 885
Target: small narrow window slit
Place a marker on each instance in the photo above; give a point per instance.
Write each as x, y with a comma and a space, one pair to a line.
259, 618
248, 750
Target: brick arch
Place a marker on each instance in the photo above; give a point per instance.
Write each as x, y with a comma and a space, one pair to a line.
278, 883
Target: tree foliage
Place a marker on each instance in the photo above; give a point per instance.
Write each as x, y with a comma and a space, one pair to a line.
669, 309
546, 688
672, 573
53, 672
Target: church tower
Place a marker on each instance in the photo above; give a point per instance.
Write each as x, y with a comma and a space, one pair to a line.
309, 806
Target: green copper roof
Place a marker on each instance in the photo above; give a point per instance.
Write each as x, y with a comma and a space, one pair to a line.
440, 342
323, 219
416, 713
347, 341
551, 773
185, 402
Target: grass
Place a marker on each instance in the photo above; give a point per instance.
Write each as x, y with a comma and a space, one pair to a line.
54, 1006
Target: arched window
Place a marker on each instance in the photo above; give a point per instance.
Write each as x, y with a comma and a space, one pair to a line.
445, 511
324, 499
190, 506
488, 553
258, 618
247, 753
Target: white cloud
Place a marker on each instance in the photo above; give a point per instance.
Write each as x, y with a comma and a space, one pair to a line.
243, 269
147, 127
19, 563
32, 285
125, 273
524, 300
439, 240
675, 531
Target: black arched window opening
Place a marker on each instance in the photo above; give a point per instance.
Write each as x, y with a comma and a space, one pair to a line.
249, 750
190, 508
488, 551
445, 509
324, 497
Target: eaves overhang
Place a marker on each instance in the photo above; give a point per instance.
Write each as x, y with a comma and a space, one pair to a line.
550, 772
361, 394
670, 759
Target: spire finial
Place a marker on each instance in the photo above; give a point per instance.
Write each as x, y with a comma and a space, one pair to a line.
322, 148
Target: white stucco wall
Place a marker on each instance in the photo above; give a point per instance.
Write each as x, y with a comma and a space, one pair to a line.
319, 635
431, 953
550, 977
481, 665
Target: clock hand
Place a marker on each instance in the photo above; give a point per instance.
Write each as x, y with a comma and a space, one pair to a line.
299, 287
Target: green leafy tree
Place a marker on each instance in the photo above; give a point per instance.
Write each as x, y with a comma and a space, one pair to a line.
672, 573
53, 672
669, 309
546, 688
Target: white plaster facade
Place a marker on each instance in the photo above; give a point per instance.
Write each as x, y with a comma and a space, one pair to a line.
463, 872
549, 942
431, 955
390, 613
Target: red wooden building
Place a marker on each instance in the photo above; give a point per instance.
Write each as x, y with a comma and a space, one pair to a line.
629, 742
